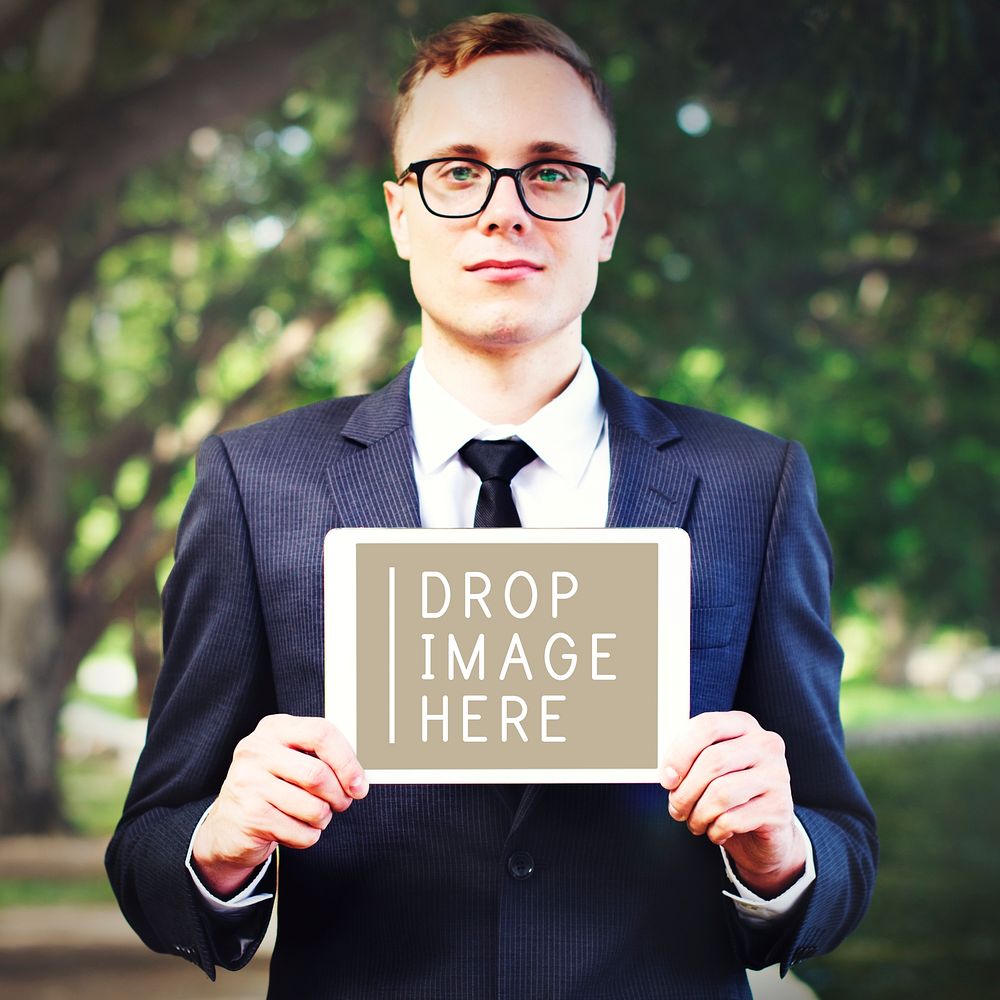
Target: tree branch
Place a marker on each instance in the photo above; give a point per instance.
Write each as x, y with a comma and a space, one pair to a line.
103, 590
132, 434
22, 22
944, 251
79, 269
90, 147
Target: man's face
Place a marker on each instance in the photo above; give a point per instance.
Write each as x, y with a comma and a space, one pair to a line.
506, 110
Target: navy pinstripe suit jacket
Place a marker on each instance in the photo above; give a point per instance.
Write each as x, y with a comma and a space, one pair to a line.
407, 894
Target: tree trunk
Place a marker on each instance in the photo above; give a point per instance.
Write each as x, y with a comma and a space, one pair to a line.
29, 788
900, 636
32, 577
80, 148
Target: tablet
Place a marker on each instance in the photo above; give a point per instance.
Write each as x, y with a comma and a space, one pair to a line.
517, 655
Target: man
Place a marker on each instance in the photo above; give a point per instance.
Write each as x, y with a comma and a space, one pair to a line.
764, 850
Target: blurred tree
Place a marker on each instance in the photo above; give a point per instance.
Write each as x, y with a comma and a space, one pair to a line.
830, 247
190, 197
162, 279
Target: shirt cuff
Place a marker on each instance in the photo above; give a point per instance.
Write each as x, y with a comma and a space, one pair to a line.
756, 911
244, 898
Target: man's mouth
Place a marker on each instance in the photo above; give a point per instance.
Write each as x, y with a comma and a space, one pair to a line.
505, 270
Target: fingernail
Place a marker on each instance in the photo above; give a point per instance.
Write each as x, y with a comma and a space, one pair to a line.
674, 811
670, 777
359, 788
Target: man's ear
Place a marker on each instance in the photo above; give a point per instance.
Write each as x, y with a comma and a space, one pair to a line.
614, 208
395, 204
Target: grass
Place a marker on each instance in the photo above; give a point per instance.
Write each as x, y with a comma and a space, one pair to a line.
93, 794
932, 930
52, 892
864, 704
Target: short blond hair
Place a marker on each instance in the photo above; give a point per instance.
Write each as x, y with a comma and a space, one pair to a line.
471, 38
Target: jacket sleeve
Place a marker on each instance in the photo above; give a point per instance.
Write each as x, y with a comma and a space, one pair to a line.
214, 686
790, 682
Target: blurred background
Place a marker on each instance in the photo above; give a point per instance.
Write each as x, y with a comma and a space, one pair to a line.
194, 238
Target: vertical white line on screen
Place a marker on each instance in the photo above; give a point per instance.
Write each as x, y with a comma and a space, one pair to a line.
392, 654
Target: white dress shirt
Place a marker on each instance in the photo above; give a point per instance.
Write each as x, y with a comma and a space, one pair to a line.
567, 485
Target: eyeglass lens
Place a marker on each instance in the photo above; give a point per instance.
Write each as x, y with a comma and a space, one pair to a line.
461, 187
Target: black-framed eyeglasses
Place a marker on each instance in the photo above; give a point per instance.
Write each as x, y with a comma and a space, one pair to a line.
553, 190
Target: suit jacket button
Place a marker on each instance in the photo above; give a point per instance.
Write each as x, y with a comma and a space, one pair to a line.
521, 864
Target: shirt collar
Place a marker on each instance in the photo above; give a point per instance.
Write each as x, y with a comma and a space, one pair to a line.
563, 433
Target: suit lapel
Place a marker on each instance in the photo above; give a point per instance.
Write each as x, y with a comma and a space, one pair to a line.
371, 472
650, 486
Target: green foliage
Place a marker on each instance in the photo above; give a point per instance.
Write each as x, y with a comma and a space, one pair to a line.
95, 530
820, 240
818, 261
94, 792
931, 930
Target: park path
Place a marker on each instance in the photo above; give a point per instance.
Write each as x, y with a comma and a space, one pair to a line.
87, 951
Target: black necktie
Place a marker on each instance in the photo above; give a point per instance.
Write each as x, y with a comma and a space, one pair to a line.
496, 463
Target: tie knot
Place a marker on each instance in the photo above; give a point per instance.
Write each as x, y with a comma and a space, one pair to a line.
496, 459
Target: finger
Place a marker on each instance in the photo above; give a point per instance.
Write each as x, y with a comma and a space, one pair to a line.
310, 773
320, 737
714, 762
262, 754
694, 736
299, 804
286, 830
762, 813
340, 756
725, 794
248, 822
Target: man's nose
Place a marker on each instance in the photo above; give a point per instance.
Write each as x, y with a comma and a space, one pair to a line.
505, 210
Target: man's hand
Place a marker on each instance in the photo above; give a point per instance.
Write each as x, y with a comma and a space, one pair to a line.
287, 779
728, 780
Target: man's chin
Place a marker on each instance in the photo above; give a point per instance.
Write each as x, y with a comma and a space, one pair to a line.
500, 332
504, 339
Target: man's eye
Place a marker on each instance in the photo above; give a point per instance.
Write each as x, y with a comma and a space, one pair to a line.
461, 173
549, 175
